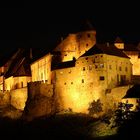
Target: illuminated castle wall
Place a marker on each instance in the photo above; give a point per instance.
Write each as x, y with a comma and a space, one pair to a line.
41, 69
79, 81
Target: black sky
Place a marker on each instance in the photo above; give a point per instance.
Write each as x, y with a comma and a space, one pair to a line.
41, 25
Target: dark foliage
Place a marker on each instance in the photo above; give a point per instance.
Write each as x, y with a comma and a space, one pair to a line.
95, 107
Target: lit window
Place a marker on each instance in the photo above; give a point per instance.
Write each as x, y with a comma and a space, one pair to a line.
101, 65
61, 72
90, 67
102, 78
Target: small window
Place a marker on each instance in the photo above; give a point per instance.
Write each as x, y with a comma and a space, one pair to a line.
102, 78
87, 44
84, 69
21, 84
65, 54
120, 68
96, 66
126, 69
70, 71
61, 72
101, 65
110, 67
64, 83
82, 80
86, 58
71, 82
101, 55
90, 67
88, 35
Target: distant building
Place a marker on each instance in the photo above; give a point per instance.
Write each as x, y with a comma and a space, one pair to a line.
131, 51
17, 73
41, 69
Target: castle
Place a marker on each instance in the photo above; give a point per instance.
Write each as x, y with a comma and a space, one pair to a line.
78, 71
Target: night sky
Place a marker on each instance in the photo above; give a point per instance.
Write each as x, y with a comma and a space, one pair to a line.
41, 25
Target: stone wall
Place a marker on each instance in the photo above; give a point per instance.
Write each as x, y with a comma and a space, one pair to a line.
19, 98
42, 101
115, 96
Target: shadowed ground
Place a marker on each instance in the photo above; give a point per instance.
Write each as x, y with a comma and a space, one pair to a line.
62, 126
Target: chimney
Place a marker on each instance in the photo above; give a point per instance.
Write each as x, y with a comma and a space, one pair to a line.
31, 54
61, 38
107, 44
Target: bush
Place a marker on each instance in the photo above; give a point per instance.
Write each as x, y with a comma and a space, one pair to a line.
95, 107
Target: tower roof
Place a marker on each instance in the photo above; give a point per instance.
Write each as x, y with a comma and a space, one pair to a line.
118, 40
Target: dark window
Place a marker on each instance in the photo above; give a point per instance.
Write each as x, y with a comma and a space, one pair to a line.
86, 58
102, 78
126, 69
82, 80
86, 44
96, 66
120, 68
64, 83
71, 82
41, 76
79, 36
83, 68
65, 54
110, 67
21, 84
101, 56
88, 35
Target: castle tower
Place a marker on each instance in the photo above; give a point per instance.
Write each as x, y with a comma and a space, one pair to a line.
119, 43
76, 44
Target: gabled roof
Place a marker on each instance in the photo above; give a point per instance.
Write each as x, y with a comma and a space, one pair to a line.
133, 92
109, 49
20, 65
118, 40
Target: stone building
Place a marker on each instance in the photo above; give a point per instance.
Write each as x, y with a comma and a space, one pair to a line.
131, 51
41, 69
18, 73
91, 76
